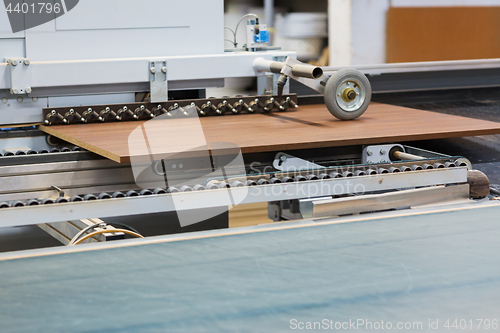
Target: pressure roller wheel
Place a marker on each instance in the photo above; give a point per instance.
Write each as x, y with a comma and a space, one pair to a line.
347, 94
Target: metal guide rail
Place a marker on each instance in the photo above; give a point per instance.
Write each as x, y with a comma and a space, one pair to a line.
189, 199
174, 109
87, 181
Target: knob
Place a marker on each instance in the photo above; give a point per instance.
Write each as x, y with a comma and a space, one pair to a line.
139, 112
206, 109
285, 104
88, 115
222, 108
254, 105
71, 116
240, 106
158, 110
269, 104
106, 113
122, 113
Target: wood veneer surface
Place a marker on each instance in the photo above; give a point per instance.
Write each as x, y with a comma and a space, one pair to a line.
310, 126
442, 33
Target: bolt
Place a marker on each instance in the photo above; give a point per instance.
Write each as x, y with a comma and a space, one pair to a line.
13, 62
153, 70
89, 109
19, 99
71, 111
53, 112
107, 109
382, 152
282, 158
28, 90
369, 153
14, 91
27, 62
142, 107
125, 108
164, 70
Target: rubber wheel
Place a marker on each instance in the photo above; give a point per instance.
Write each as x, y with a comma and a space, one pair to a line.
352, 79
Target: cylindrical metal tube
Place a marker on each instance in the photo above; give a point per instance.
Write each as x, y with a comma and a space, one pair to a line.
394, 170
275, 181
360, 173
263, 182
347, 174
383, 171
199, 187
399, 155
307, 71
263, 65
300, 70
312, 177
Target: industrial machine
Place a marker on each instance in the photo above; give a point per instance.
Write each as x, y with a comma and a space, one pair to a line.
72, 72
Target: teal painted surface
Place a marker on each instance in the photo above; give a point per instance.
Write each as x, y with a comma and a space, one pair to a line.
437, 266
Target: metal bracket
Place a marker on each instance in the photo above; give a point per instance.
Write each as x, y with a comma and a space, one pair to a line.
286, 89
285, 162
20, 76
379, 153
158, 81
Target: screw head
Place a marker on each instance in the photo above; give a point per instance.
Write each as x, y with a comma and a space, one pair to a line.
28, 90
282, 158
369, 153
14, 91
71, 111
164, 69
13, 62
383, 151
153, 70
107, 109
53, 112
125, 108
89, 109
27, 62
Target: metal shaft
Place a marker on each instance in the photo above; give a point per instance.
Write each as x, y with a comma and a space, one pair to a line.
405, 156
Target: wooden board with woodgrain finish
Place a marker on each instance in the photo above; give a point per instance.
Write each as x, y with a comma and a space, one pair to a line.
442, 33
310, 126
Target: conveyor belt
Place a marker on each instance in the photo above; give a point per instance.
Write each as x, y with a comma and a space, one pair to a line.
311, 126
435, 266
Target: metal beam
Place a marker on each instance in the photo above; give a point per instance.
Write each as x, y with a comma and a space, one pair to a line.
213, 198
